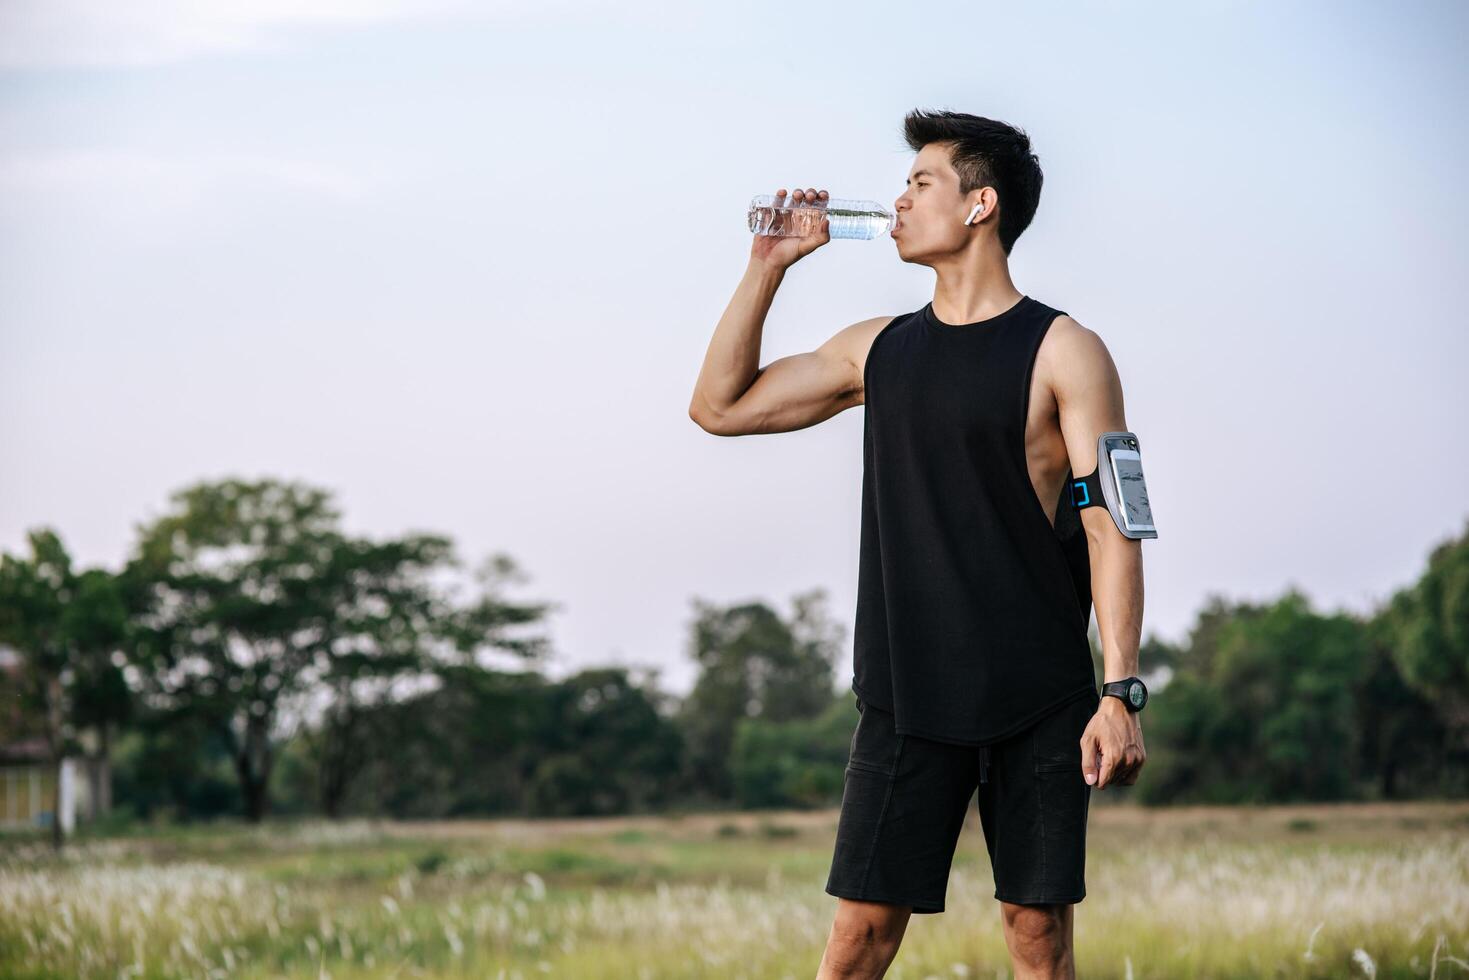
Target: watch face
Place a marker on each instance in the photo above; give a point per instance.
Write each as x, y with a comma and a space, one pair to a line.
1136, 694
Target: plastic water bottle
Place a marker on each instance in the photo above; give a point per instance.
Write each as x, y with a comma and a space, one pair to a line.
848, 219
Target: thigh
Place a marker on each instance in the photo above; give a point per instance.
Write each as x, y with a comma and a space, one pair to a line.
1034, 810
903, 806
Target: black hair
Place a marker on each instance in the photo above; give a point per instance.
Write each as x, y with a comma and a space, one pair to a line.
985, 153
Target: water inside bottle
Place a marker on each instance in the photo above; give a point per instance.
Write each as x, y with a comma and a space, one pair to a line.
848, 219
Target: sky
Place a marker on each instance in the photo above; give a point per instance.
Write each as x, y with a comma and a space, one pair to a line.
459, 264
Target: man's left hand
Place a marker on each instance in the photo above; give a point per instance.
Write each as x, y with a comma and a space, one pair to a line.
1112, 745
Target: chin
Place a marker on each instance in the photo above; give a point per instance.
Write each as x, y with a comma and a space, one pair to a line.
906, 254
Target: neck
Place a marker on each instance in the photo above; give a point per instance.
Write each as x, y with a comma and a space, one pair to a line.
968, 291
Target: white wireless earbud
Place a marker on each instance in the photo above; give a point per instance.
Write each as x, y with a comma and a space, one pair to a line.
973, 213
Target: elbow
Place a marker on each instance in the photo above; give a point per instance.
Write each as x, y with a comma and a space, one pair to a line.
705, 419
729, 421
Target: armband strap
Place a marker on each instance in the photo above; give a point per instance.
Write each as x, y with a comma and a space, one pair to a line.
1087, 492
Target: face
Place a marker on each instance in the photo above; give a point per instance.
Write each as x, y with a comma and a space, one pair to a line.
931, 211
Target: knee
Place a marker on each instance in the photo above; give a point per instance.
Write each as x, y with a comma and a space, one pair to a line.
1039, 933
853, 955
861, 938
864, 933
1037, 920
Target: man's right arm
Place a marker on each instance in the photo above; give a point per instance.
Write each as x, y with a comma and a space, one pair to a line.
735, 396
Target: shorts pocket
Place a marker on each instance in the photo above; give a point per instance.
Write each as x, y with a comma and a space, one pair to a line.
1056, 742
855, 766
874, 743
1059, 765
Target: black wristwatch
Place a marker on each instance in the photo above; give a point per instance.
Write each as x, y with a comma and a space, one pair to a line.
1131, 690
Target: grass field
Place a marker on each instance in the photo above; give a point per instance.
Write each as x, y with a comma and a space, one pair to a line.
1319, 891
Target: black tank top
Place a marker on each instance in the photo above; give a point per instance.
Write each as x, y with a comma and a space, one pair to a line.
972, 608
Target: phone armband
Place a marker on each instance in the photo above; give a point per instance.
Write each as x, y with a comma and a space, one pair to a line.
1117, 484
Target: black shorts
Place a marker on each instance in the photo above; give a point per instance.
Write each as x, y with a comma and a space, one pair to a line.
905, 798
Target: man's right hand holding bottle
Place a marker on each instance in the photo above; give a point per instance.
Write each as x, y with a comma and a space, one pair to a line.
780, 252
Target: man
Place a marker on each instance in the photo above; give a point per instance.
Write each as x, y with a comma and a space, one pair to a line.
978, 568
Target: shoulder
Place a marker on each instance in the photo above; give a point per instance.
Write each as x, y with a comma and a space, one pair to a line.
1068, 340
861, 333
1070, 336
1072, 354
854, 342
851, 343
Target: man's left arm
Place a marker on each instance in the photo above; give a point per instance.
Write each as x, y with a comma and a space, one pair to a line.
1089, 398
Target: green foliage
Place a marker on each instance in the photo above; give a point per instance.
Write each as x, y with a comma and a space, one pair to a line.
1263, 709
254, 599
1404, 744
63, 626
1427, 629
606, 746
245, 602
793, 763
167, 768
752, 664
489, 742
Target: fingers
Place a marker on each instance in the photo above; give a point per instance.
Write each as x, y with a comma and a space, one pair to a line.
1109, 757
804, 197
1120, 769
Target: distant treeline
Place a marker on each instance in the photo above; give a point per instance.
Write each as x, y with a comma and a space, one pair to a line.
253, 657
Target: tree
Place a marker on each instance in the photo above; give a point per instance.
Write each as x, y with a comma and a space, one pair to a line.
397, 631
1427, 628
99, 620
1263, 708
793, 763
753, 665
1402, 739
468, 746
259, 608
604, 748
68, 629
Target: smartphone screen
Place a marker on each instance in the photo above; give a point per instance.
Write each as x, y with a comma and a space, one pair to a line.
1127, 470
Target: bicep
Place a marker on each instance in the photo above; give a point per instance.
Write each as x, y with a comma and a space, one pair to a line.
798, 390
1089, 400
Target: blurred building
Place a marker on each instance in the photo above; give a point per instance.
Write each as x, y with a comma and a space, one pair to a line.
33, 790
